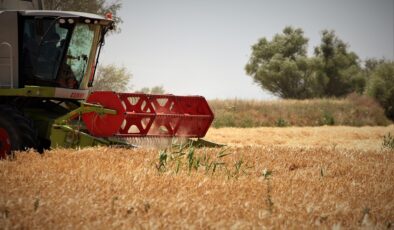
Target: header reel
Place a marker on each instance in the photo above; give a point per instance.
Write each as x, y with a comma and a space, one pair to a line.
143, 115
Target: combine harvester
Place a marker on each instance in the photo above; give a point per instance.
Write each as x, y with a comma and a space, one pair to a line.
47, 64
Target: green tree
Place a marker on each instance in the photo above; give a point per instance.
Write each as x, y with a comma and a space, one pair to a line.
370, 66
100, 7
381, 86
153, 90
112, 78
281, 65
372, 63
341, 68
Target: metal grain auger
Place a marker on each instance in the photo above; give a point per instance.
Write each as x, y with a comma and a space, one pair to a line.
47, 64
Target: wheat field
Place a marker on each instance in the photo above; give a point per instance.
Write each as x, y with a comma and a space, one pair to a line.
344, 137
323, 177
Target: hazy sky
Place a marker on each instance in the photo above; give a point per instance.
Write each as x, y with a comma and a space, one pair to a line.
200, 47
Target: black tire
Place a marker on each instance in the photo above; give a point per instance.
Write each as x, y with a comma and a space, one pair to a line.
18, 129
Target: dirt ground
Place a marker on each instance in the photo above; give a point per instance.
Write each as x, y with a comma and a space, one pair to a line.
324, 177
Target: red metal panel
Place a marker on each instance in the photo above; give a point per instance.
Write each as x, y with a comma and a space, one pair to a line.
104, 125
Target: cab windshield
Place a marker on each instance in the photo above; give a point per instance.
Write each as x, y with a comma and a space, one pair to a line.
56, 54
75, 65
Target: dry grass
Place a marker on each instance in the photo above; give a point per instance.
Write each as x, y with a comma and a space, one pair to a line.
351, 111
283, 186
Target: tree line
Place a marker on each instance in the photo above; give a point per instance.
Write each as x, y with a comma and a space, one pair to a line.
281, 65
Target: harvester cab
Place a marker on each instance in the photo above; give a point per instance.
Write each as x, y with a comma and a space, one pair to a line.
51, 49
47, 65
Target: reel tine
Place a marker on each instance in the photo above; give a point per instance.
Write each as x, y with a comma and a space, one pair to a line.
156, 142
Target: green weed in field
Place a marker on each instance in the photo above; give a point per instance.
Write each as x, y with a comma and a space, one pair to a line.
184, 157
388, 141
328, 119
281, 122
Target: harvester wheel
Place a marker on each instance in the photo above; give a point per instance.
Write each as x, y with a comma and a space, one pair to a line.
16, 131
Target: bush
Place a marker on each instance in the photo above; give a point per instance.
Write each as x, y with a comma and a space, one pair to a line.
381, 87
328, 119
281, 122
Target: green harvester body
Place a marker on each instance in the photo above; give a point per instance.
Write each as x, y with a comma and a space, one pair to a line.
48, 61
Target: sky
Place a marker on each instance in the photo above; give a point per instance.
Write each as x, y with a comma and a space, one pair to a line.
200, 47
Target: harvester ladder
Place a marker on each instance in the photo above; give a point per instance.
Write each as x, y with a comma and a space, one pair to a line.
9, 64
